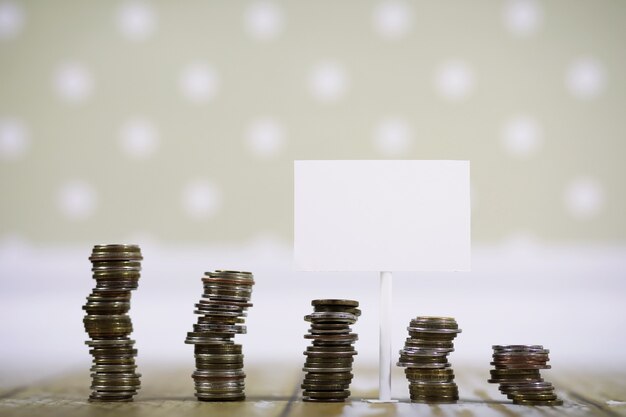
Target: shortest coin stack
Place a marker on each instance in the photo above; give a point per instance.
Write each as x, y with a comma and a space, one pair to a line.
219, 374
329, 359
517, 370
116, 269
425, 357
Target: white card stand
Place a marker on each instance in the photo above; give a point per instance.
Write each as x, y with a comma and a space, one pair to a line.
384, 341
382, 216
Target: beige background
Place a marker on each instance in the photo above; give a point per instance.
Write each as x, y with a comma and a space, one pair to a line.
180, 121
175, 125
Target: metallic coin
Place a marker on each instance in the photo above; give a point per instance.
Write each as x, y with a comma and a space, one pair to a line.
220, 349
323, 400
434, 322
517, 370
113, 368
326, 355
519, 348
326, 394
116, 269
350, 337
335, 302
322, 370
526, 366
556, 402
234, 396
331, 317
324, 387
434, 400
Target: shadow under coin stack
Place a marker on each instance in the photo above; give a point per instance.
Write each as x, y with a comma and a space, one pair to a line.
425, 359
219, 372
329, 359
116, 269
517, 370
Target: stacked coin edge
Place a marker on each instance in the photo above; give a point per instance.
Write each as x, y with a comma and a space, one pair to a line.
424, 357
517, 371
116, 269
219, 374
329, 358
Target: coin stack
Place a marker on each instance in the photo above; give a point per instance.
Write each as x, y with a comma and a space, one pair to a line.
517, 370
116, 269
425, 359
328, 364
219, 372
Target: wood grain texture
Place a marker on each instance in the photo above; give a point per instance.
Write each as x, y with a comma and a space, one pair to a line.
273, 390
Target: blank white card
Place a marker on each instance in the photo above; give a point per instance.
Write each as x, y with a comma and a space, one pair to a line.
382, 215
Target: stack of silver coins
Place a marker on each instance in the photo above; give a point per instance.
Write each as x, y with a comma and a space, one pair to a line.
425, 359
219, 374
116, 269
517, 370
329, 359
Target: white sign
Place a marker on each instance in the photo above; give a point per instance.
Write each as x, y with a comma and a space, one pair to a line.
382, 215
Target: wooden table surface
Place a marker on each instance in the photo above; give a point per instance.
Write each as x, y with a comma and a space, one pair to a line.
273, 390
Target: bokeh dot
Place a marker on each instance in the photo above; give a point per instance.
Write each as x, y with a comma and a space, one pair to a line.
264, 20
584, 198
455, 80
73, 82
14, 138
392, 19
11, 19
393, 136
328, 81
199, 82
136, 20
139, 138
586, 78
265, 137
522, 136
77, 200
522, 17
201, 199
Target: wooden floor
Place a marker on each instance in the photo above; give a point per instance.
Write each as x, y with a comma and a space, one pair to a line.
274, 391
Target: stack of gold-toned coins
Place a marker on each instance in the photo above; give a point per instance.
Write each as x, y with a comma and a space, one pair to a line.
219, 374
425, 357
517, 370
329, 359
116, 269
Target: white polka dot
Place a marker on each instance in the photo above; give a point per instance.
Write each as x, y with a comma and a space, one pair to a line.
328, 81
14, 139
11, 19
522, 136
264, 20
265, 137
392, 19
136, 20
199, 82
586, 78
73, 82
201, 199
455, 80
522, 17
584, 198
139, 138
77, 200
393, 136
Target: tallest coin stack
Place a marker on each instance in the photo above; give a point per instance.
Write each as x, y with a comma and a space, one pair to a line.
116, 269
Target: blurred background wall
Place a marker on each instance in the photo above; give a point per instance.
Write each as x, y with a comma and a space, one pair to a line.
175, 125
